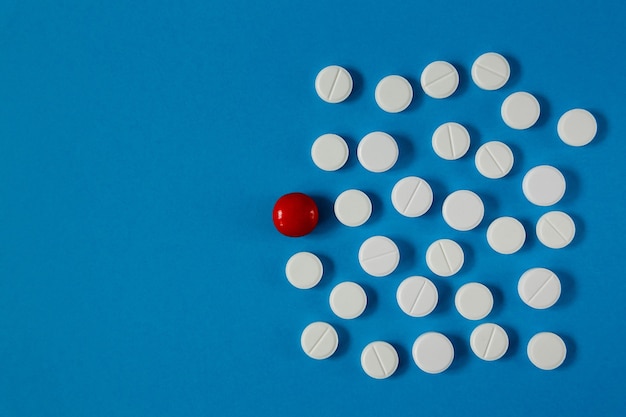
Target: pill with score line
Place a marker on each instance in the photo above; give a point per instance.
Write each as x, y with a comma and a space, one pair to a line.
379, 360
451, 141
489, 341
333, 84
412, 196
494, 159
417, 296
445, 257
439, 79
556, 229
539, 288
379, 256
491, 71
319, 340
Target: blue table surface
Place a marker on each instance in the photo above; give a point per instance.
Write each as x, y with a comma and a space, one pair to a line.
143, 145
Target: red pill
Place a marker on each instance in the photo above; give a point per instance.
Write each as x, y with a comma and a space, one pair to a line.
295, 214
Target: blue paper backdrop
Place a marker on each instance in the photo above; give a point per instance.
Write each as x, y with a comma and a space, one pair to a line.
143, 145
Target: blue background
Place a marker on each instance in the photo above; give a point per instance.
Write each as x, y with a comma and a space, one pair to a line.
143, 145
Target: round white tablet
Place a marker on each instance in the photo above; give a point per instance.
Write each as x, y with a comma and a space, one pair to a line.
494, 159
451, 141
304, 270
491, 71
546, 351
412, 196
353, 208
379, 360
473, 301
543, 185
463, 210
439, 79
506, 235
329, 152
556, 229
333, 84
433, 352
520, 110
379, 256
348, 300
393, 93
445, 257
319, 340
577, 127
377, 152
417, 296
539, 288
489, 341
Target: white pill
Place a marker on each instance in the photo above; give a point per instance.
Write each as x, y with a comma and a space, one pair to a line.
353, 208
433, 352
491, 71
412, 196
543, 185
377, 152
494, 159
333, 84
546, 351
379, 256
463, 210
348, 300
329, 152
577, 127
451, 141
304, 270
489, 341
506, 235
393, 93
379, 360
539, 288
445, 257
473, 301
556, 229
319, 340
439, 79
417, 296
520, 110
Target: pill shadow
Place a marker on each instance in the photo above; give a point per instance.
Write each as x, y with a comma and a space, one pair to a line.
531, 240
358, 85
572, 190
461, 353
417, 94
407, 255
372, 300
352, 146
445, 297
603, 127
514, 342
329, 271
404, 358
516, 71
440, 192
378, 207
475, 139
464, 79
406, 151
344, 340
572, 350
545, 110
326, 221
581, 230
470, 256
498, 299
518, 159
568, 288
491, 210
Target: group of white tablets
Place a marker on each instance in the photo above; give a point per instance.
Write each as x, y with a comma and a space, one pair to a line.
462, 210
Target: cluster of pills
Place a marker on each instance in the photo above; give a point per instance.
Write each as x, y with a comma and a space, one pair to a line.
462, 210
